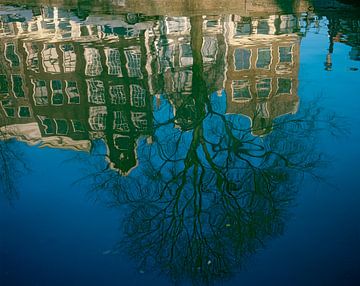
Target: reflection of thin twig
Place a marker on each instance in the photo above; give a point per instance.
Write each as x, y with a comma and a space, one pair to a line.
11, 165
210, 194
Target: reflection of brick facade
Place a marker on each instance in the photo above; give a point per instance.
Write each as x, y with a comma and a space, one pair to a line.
83, 80
79, 89
262, 70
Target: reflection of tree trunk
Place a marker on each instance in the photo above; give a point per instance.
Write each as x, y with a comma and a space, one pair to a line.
199, 91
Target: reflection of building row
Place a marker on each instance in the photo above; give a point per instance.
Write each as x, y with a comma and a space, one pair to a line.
98, 82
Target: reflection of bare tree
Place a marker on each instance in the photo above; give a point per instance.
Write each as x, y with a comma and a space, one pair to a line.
11, 166
207, 195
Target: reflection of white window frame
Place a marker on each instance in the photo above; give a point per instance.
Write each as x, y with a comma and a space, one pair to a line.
117, 94
69, 58
133, 62
57, 126
139, 120
250, 57
240, 84
97, 117
185, 59
42, 118
40, 94
16, 85
271, 58
183, 81
50, 59
72, 91
209, 49
96, 91
5, 108
7, 45
166, 57
55, 92
113, 62
258, 82
121, 122
93, 62
32, 59
291, 52
137, 96
278, 86
6, 82
24, 106
74, 127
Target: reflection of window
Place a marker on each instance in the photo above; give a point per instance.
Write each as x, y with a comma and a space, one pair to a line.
9, 111
186, 58
117, 94
17, 85
97, 119
263, 87
137, 96
48, 124
4, 84
264, 58
242, 59
24, 111
11, 55
72, 92
62, 127
122, 143
139, 120
96, 91
77, 126
40, 93
284, 86
285, 54
113, 61
209, 49
263, 27
133, 58
57, 93
93, 62
50, 59
69, 57
241, 90
243, 27
120, 121
32, 60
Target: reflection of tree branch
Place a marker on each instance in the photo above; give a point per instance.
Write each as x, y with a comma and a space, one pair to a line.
11, 165
208, 195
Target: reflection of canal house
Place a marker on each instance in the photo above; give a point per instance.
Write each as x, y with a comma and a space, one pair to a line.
263, 57
175, 62
85, 89
15, 106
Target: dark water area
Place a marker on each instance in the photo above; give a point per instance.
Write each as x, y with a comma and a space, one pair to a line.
177, 143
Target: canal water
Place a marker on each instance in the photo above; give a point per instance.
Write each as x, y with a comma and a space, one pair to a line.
186, 148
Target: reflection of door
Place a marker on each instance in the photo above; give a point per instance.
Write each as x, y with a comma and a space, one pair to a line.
262, 110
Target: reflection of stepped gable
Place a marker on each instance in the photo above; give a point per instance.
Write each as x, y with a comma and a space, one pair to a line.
262, 69
82, 91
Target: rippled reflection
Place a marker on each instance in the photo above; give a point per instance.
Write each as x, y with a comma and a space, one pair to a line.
206, 145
